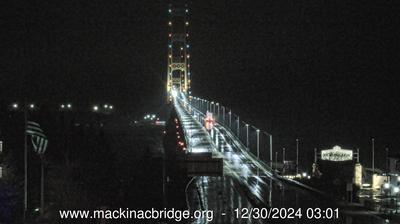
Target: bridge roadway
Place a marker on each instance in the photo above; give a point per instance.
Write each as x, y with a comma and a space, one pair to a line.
246, 182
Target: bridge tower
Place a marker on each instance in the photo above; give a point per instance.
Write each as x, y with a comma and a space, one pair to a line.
178, 76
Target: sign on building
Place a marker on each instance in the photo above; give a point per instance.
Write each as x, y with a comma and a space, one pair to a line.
337, 154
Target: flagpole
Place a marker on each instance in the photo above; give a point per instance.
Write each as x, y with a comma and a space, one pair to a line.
26, 163
42, 186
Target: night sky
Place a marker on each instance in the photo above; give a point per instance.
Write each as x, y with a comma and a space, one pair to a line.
326, 72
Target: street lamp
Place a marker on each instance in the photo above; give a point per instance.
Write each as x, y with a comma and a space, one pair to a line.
62, 106
238, 127
69, 106
283, 155
15, 105
31, 106
230, 119
247, 136
396, 190
95, 108
217, 110
258, 143
223, 114
297, 156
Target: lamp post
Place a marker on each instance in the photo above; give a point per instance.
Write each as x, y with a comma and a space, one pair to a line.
396, 191
223, 114
373, 156
230, 119
297, 156
258, 143
270, 149
238, 127
283, 160
283, 155
387, 160
217, 110
247, 136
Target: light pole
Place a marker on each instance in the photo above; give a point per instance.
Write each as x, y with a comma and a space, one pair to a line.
396, 191
387, 160
258, 143
283, 160
373, 157
223, 114
247, 136
297, 156
217, 110
230, 119
270, 149
238, 127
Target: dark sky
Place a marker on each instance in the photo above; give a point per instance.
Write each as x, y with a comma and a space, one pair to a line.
324, 71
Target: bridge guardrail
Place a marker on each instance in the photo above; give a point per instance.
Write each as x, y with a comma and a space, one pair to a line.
257, 142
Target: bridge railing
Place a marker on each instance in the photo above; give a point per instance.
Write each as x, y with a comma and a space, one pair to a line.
256, 141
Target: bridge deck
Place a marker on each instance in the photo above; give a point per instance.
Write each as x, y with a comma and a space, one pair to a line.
246, 182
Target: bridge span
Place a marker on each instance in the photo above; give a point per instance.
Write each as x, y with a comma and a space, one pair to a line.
247, 180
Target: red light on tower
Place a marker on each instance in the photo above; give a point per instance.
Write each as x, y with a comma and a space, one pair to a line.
209, 121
